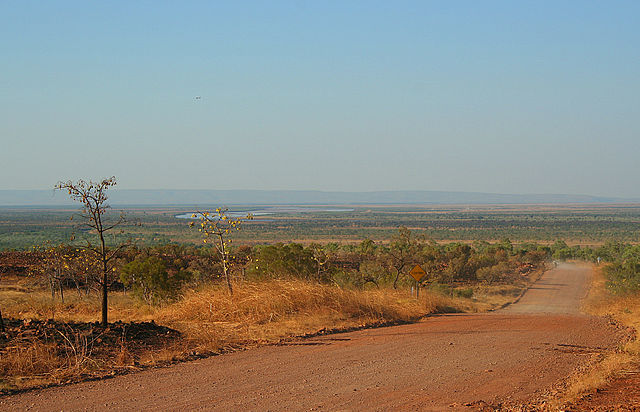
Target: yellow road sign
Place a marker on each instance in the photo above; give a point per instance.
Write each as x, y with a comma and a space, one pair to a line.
417, 273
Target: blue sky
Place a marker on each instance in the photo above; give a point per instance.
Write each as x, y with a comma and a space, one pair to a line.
489, 96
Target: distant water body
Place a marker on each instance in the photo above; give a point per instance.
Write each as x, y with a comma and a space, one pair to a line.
269, 211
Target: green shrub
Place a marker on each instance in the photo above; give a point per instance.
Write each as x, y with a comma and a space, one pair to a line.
281, 260
150, 281
441, 289
463, 293
623, 277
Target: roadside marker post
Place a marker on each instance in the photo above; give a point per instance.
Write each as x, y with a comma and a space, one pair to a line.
417, 273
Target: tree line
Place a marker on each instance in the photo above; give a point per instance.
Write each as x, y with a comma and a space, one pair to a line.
157, 274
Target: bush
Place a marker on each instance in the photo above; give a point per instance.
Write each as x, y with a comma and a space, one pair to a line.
463, 293
284, 261
491, 274
623, 277
441, 289
150, 281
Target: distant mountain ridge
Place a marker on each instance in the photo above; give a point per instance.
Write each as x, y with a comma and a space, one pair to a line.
125, 197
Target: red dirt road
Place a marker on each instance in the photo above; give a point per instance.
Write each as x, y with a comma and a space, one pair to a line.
558, 291
512, 355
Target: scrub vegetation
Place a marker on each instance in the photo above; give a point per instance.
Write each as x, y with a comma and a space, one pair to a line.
172, 302
173, 293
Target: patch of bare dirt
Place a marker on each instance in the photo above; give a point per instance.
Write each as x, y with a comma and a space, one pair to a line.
464, 360
621, 394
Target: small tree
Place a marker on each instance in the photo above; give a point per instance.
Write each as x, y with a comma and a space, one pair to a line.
402, 252
322, 257
93, 197
52, 267
216, 228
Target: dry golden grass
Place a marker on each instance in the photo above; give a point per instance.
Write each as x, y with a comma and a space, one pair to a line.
38, 304
28, 361
268, 311
209, 318
212, 321
21, 360
626, 311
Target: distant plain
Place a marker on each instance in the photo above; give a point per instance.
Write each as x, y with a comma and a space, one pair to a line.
577, 224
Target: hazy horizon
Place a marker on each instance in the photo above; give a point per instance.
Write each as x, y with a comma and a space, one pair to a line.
192, 197
487, 97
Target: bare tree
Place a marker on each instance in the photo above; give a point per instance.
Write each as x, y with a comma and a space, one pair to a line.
93, 197
323, 259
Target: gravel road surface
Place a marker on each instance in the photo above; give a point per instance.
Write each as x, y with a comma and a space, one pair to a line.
440, 363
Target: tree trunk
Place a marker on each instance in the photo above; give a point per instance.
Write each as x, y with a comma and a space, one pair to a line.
395, 281
104, 293
227, 277
75, 281
105, 271
1, 322
52, 286
225, 270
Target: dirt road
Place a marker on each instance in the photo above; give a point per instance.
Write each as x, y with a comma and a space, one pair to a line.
512, 355
558, 291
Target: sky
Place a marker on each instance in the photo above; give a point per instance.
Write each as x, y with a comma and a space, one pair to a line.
484, 96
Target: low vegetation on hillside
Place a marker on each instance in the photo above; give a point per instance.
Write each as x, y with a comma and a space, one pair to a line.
170, 302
